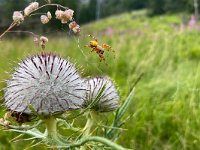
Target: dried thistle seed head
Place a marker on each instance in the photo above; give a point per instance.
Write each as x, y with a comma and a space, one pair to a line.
76, 29
43, 41
67, 16
49, 15
46, 84
36, 40
72, 25
31, 8
59, 14
44, 19
18, 17
109, 99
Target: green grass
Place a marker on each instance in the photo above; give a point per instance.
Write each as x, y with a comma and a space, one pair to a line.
165, 112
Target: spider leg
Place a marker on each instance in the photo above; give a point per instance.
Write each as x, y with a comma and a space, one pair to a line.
101, 57
87, 46
93, 49
93, 37
105, 46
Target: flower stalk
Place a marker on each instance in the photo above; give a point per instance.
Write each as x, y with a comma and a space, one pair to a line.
88, 127
98, 139
51, 125
51, 131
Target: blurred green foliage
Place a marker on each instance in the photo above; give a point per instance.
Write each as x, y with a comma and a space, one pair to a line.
87, 10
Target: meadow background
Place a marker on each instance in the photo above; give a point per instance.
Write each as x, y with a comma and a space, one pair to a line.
165, 112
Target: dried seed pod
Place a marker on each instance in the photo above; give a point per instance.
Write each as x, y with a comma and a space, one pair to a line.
18, 17
49, 15
109, 100
36, 40
31, 8
59, 14
46, 83
67, 16
74, 27
44, 19
43, 41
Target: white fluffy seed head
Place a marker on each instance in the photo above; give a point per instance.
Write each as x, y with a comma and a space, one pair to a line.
18, 17
31, 8
49, 15
44, 19
74, 27
46, 83
59, 14
109, 100
67, 16
44, 39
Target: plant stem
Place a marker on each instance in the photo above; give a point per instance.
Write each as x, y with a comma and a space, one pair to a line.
51, 131
88, 127
8, 29
51, 125
102, 140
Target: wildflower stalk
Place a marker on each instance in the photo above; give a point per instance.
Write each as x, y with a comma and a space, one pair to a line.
51, 131
102, 140
88, 126
51, 125
8, 29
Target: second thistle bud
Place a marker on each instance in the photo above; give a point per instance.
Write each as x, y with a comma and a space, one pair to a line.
18, 17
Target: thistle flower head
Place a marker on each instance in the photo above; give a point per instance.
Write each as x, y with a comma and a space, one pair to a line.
18, 17
108, 100
31, 8
46, 83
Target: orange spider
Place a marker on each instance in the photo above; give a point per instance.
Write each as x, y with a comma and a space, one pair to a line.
97, 48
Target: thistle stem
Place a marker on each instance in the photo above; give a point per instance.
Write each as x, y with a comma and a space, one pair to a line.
88, 127
51, 131
51, 125
104, 141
